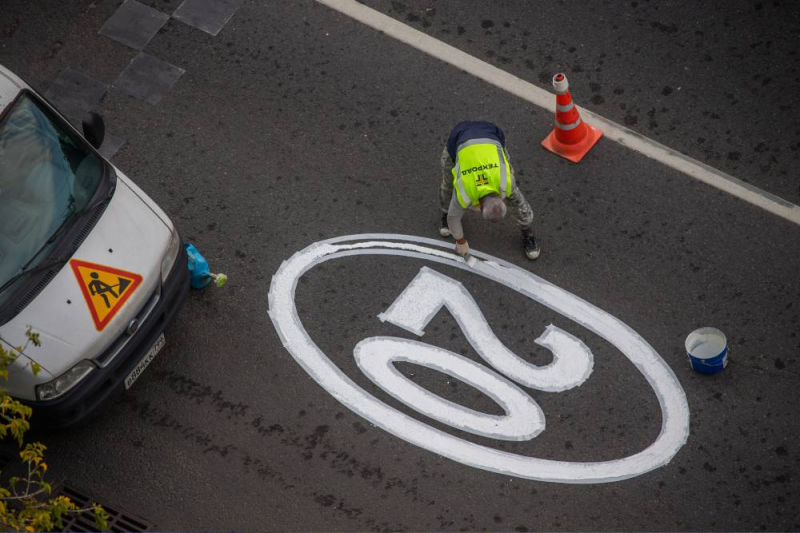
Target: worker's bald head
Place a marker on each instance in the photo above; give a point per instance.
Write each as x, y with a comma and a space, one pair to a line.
493, 208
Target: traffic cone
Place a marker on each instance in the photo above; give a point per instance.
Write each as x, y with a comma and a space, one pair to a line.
572, 137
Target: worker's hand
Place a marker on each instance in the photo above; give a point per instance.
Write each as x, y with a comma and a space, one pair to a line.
462, 248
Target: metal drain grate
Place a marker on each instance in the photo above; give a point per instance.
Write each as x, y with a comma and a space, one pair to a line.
119, 521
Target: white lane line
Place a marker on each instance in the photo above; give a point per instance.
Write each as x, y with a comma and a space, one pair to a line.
544, 99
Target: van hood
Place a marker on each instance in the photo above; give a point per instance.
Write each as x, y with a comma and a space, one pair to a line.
129, 237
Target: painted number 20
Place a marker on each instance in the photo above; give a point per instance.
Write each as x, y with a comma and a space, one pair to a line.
415, 307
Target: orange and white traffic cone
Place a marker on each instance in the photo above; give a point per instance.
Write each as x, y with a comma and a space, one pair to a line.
572, 137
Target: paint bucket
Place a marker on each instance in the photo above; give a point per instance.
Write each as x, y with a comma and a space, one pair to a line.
199, 273
707, 349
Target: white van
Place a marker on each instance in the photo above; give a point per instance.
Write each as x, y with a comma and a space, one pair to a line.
87, 260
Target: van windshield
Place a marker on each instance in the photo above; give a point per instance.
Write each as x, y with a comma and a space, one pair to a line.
47, 174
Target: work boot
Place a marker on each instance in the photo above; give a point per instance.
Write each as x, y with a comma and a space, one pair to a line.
444, 229
530, 245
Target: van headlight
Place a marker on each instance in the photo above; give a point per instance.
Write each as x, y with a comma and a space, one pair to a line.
65, 382
173, 249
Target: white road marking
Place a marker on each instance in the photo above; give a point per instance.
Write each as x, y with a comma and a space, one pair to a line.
544, 99
295, 338
429, 291
523, 419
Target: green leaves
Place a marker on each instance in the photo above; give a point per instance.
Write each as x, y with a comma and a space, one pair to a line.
14, 418
25, 503
7, 357
33, 338
100, 517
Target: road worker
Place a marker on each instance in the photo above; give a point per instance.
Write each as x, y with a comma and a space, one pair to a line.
477, 175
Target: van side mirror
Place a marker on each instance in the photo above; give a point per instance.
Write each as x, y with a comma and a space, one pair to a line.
94, 129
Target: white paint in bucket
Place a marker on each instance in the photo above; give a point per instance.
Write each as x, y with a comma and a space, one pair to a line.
707, 349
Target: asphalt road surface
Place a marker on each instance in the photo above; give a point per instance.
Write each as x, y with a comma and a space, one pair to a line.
296, 124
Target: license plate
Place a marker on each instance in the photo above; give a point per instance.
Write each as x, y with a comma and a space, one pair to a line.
146, 360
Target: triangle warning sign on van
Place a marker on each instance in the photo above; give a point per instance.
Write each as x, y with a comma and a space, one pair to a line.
105, 289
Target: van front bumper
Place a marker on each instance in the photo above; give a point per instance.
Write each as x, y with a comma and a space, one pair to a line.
104, 383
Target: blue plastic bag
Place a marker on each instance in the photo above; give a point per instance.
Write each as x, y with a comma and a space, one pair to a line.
199, 273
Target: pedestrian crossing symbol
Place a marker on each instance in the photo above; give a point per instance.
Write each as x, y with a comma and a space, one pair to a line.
105, 289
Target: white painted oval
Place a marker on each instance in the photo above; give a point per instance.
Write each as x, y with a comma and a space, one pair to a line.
523, 418
670, 395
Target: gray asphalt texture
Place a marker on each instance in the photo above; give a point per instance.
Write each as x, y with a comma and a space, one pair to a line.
296, 124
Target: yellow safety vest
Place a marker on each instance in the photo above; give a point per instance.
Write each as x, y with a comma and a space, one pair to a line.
481, 168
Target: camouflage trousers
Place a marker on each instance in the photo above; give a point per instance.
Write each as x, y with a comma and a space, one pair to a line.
518, 206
